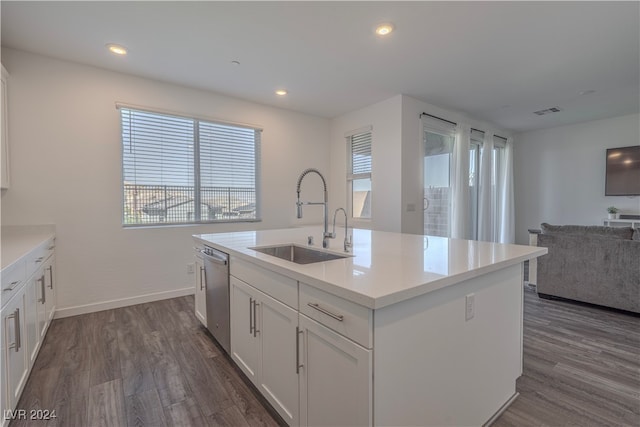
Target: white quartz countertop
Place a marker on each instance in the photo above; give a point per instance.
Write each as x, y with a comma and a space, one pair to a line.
386, 268
18, 241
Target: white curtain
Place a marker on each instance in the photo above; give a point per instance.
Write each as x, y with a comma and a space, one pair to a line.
460, 206
486, 210
506, 210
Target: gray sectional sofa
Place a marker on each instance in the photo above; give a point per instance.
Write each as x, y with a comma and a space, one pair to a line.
592, 264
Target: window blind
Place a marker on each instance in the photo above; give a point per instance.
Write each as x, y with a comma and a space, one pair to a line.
361, 153
185, 170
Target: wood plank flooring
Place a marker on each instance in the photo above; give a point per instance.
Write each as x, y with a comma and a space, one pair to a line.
145, 365
154, 365
581, 367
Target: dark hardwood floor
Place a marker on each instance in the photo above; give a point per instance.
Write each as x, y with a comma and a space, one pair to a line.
154, 365
145, 365
581, 367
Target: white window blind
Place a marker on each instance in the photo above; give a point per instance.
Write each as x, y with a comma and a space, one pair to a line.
185, 170
359, 175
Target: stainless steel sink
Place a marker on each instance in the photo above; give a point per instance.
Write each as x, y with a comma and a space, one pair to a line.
298, 254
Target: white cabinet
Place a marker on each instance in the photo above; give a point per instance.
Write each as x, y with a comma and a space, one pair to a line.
4, 130
263, 344
311, 371
50, 288
335, 378
201, 292
244, 346
14, 353
41, 310
28, 306
32, 333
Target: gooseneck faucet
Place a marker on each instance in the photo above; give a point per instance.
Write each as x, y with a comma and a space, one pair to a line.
347, 238
325, 235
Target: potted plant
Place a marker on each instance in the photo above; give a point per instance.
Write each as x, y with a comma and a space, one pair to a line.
613, 212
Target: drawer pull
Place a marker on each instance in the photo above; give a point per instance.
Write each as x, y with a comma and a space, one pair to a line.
16, 324
12, 286
39, 260
338, 317
50, 248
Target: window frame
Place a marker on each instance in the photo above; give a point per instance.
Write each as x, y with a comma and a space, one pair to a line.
197, 188
444, 129
351, 177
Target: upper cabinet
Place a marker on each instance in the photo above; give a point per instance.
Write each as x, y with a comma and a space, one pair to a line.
4, 130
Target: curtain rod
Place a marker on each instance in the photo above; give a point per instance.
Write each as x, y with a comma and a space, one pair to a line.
439, 118
481, 131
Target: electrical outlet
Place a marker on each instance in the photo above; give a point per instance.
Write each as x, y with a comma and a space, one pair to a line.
191, 268
470, 307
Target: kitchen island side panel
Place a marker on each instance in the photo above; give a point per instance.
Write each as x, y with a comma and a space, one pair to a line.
433, 367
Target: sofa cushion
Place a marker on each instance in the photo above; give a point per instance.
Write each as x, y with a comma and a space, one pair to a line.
622, 233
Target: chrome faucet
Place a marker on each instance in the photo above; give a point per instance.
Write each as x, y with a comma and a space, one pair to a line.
325, 235
347, 238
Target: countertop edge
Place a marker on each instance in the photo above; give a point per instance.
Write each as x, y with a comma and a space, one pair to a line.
384, 300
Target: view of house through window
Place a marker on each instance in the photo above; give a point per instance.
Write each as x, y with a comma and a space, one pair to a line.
180, 170
359, 175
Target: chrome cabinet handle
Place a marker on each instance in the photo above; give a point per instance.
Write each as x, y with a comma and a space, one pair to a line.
255, 318
250, 315
39, 260
50, 277
11, 286
52, 247
298, 364
16, 327
202, 278
41, 280
338, 317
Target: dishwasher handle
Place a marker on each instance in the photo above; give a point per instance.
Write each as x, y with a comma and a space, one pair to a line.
218, 259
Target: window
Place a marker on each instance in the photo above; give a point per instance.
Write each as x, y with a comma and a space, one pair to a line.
438, 153
178, 170
359, 174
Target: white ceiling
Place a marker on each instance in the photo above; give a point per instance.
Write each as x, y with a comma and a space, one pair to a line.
495, 61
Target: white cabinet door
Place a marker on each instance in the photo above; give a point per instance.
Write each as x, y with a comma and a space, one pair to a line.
244, 345
201, 292
263, 345
335, 379
278, 379
41, 308
32, 335
15, 353
50, 289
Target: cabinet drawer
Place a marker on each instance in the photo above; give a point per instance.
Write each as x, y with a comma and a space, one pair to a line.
38, 256
277, 286
13, 278
349, 319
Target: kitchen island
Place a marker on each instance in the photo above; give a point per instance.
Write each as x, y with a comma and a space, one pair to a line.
406, 330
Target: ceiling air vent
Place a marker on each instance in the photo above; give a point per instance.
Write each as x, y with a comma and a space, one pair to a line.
547, 111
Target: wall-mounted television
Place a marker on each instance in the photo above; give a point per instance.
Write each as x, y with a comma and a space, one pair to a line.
623, 171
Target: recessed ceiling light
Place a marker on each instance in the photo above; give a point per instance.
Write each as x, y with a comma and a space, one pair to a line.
117, 49
281, 92
384, 29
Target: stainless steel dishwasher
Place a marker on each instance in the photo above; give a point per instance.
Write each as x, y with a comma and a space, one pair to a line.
216, 272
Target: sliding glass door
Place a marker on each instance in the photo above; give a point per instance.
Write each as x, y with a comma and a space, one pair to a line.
438, 150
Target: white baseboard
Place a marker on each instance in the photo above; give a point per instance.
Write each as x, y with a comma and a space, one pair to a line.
123, 302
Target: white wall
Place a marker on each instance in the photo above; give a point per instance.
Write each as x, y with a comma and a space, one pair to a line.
412, 139
397, 159
66, 170
559, 173
386, 160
